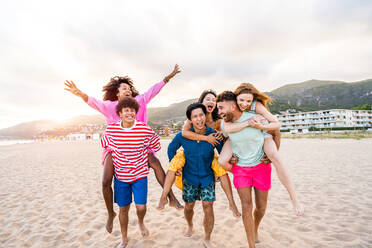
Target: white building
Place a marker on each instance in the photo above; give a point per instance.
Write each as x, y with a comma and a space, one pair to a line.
301, 122
76, 136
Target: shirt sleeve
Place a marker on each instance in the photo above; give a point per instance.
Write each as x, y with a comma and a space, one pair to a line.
152, 92
219, 147
173, 146
223, 129
155, 142
104, 107
105, 141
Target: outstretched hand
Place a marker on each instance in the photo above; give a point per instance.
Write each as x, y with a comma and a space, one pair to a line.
70, 86
175, 71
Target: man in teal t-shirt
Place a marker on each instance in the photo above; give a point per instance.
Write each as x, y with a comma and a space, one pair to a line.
246, 144
249, 173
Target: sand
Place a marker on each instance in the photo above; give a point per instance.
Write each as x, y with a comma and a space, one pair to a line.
50, 196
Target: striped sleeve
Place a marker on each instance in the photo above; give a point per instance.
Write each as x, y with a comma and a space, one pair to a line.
105, 140
155, 142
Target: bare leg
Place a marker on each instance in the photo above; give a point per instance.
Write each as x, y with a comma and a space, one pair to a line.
226, 186
123, 218
141, 212
160, 177
225, 156
283, 174
169, 180
208, 223
259, 211
245, 195
108, 172
189, 213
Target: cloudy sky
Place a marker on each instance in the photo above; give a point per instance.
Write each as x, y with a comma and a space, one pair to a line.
218, 44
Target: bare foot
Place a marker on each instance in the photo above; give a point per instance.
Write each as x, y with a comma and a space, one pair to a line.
144, 231
162, 203
189, 231
176, 204
208, 244
256, 239
124, 243
235, 211
109, 222
299, 210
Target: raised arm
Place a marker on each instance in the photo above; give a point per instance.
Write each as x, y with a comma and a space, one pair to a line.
107, 108
74, 90
155, 89
188, 134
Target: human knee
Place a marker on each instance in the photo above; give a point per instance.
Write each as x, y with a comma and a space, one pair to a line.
207, 205
189, 207
141, 208
261, 209
125, 209
222, 161
247, 206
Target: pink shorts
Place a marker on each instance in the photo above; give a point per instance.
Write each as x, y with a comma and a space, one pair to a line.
108, 150
258, 176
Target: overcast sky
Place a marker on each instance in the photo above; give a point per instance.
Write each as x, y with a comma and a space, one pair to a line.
218, 44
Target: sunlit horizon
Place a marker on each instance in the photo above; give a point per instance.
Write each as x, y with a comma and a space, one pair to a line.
216, 44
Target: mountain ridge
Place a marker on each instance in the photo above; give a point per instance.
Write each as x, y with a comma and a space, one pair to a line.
310, 95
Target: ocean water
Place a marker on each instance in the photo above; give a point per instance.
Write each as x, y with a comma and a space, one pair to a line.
6, 142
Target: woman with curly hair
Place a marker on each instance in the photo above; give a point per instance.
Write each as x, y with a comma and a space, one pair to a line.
116, 89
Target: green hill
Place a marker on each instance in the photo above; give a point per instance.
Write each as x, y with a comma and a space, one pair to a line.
306, 96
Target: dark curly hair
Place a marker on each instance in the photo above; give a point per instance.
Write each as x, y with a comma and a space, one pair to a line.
127, 102
111, 88
215, 115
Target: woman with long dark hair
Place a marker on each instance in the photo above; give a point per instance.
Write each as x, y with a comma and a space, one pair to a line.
208, 99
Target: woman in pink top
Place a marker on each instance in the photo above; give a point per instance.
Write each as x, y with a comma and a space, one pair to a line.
117, 88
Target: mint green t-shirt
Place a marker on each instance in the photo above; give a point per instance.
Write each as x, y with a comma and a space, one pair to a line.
247, 144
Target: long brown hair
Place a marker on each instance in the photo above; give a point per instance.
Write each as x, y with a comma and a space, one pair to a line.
248, 88
215, 115
111, 88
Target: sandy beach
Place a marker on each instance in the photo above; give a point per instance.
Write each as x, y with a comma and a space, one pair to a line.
50, 196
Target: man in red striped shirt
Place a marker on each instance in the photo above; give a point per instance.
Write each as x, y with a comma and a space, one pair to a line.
130, 141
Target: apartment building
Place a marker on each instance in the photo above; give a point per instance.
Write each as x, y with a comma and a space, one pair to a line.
301, 122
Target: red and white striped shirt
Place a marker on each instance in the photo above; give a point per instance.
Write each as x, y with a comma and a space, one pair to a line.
130, 148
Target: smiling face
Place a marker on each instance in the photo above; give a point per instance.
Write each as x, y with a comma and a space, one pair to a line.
209, 102
197, 118
124, 91
128, 115
225, 110
244, 101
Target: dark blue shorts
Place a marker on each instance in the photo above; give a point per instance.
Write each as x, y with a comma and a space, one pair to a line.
191, 193
123, 192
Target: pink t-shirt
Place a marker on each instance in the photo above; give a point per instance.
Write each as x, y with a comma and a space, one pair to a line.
108, 108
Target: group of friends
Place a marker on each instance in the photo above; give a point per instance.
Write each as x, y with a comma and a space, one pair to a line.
229, 132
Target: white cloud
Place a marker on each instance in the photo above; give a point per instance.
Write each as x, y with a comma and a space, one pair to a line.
218, 44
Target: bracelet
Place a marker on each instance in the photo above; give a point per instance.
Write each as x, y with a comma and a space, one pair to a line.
166, 80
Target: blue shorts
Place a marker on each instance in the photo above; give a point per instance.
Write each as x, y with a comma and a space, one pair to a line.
191, 193
123, 192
